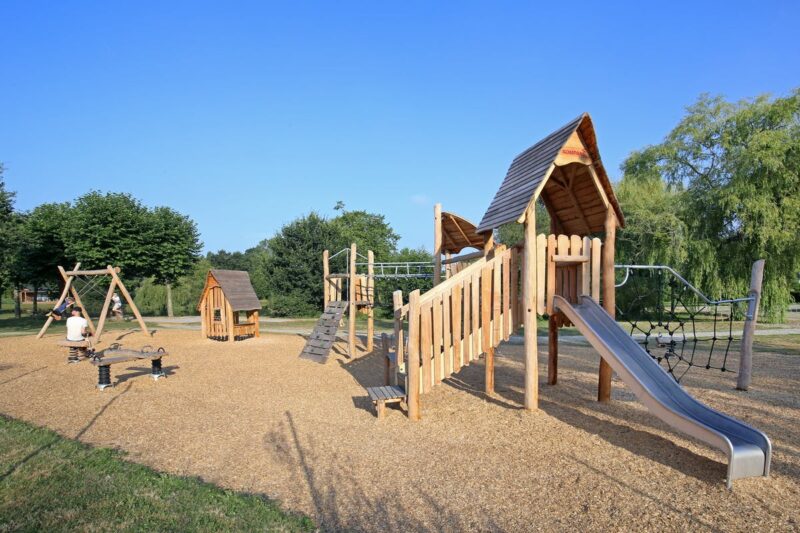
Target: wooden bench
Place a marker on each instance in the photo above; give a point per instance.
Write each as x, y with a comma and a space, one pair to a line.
120, 355
380, 396
76, 349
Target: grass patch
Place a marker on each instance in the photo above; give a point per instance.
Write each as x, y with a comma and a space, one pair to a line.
49, 483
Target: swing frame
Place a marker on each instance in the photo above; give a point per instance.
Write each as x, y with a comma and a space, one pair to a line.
69, 289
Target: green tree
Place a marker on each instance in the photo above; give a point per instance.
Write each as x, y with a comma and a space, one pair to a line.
294, 264
110, 229
174, 246
512, 233
6, 213
45, 249
737, 168
369, 231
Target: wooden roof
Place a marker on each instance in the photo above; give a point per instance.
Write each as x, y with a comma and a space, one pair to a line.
236, 287
458, 233
581, 189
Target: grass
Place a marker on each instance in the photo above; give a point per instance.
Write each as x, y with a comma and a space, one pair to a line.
49, 483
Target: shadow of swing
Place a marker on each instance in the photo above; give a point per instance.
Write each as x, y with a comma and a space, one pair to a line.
135, 372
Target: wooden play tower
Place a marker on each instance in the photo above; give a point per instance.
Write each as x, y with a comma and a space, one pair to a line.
503, 289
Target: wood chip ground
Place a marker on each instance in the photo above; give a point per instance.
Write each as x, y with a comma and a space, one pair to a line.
253, 416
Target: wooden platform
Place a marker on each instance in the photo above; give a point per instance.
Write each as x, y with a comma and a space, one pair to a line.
323, 336
380, 396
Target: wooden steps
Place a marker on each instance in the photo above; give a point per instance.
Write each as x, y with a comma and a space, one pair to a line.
323, 336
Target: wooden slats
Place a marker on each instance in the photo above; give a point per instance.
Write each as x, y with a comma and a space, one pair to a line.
323, 335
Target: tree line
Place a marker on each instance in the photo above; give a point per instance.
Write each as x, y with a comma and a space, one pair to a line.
721, 190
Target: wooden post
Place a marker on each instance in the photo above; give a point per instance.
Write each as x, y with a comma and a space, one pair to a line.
397, 303
371, 299
326, 283
609, 299
746, 355
127, 295
412, 391
351, 285
529, 312
231, 322
552, 353
102, 320
78, 301
64, 293
387, 364
437, 244
255, 319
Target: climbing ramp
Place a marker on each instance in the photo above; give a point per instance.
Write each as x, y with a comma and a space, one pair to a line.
323, 336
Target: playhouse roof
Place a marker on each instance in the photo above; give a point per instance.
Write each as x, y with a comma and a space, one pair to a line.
582, 190
236, 287
458, 233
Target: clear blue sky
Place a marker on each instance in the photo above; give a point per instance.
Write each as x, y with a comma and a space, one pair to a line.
244, 115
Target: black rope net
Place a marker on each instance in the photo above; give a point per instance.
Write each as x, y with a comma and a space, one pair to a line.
676, 326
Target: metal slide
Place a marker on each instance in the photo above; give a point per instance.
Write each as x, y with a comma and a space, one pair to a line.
749, 450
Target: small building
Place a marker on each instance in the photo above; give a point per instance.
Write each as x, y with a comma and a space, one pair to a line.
229, 306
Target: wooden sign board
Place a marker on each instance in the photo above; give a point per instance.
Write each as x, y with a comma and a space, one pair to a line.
573, 151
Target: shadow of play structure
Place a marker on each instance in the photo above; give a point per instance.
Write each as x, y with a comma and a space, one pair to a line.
567, 275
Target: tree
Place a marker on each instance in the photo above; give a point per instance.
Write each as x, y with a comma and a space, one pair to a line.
294, 264
110, 229
737, 169
512, 233
6, 213
174, 246
369, 231
46, 249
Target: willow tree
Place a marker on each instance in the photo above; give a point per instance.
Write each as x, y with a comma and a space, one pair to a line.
731, 174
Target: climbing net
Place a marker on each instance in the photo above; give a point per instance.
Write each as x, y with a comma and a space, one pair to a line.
678, 325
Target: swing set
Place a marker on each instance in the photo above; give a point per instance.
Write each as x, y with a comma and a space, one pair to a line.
92, 283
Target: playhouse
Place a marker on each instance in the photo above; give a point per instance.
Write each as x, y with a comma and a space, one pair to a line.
229, 307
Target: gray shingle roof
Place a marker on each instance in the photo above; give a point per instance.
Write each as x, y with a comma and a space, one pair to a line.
237, 289
529, 169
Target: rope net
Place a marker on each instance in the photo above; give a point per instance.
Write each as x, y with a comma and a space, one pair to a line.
678, 326
92, 290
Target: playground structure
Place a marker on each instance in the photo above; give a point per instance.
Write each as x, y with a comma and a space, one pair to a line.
565, 275
353, 291
92, 280
226, 295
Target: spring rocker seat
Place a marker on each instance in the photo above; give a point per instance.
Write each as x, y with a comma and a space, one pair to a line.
77, 349
121, 355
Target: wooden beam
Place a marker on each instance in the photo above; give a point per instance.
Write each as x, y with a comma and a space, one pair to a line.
326, 270
437, 244
99, 272
78, 301
529, 311
64, 293
746, 359
609, 300
104, 313
371, 299
114, 274
412, 388
351, 326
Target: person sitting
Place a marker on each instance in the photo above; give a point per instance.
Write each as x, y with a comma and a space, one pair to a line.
59, 311
77, 326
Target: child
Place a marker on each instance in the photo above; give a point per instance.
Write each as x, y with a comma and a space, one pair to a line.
59, 311
116, 308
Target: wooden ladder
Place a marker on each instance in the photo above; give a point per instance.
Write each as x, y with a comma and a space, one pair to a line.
323, 336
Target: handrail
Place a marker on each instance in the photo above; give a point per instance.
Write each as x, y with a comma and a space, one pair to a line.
672, 271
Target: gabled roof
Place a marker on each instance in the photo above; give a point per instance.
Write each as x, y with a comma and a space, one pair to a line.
458, 233
530, 170
236, 287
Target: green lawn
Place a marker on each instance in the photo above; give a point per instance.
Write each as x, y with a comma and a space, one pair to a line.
49, 483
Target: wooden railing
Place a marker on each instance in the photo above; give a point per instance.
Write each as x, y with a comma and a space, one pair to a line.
470, 313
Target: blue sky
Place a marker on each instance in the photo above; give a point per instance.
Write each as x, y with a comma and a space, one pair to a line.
244, 115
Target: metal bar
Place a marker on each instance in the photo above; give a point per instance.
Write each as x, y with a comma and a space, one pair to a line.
705, 298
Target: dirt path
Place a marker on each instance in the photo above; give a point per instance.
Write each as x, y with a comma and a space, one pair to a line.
254, 417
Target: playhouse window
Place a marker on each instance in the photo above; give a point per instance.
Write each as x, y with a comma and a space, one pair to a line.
217, 315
